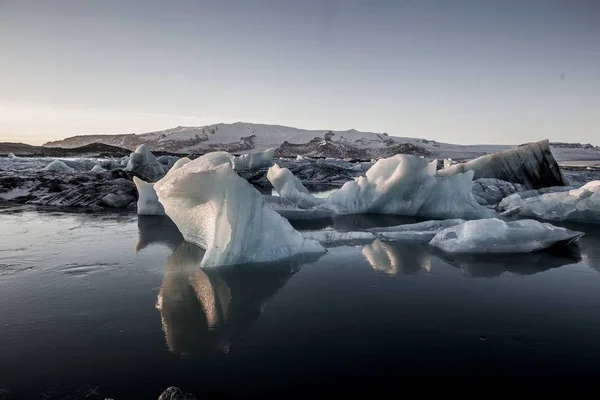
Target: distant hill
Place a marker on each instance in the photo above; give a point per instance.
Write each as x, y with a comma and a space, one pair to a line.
242, 137
99, 149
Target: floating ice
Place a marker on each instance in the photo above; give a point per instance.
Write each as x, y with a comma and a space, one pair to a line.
448, 162
403, 184
332, 238
261, 159
531, 165
167, 161
216, 209
495, 236
11, 155
147, 203
580, 205
290, 211
143, 163
116, 200
58, 166
419, 232
490, 191
97, 168
290, 187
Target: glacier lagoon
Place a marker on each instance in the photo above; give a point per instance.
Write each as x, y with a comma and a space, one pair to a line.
115, 305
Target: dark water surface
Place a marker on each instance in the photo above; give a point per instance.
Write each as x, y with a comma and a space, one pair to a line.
120, 305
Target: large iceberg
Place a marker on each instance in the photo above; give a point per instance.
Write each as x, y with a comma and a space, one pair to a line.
496, 236
261, 159
216, 209
531, 165
580, 205
143, 163
403, 184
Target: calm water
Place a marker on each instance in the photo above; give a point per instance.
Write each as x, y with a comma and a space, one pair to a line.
119, 304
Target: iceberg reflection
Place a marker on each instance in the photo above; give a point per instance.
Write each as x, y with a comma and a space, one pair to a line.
204, 310
155, 229
394, 258
493, 265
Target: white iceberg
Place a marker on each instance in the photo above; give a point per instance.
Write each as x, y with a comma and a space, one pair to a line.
147, 203
143, 163
221, 212
261, 159
403, 185
332, 238
290, 187
496, 236
419, 232
58, 166
97, 168
579, 205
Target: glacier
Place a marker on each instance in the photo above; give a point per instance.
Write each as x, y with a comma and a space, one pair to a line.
216, 209
402, 184
578, 205
493, 235
143, 163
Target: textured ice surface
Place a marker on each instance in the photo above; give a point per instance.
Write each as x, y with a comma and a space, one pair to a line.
216, 209
332, 238
496, 236
147, 203
97, 168
58, 166
490, 191
532, 165
580, 205
402, 184
261, 159
419, 232
143, 163
289, 210
290, 187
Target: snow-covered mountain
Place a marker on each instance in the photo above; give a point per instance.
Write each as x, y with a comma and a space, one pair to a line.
243, 137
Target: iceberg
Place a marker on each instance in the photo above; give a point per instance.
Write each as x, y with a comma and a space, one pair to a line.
496, 236
531, 165
403, 184
252, 161
578, 205
332, 238
290, 211
419, 232
97, 168
58, 166
147, 203
290, 187
490, 191
143, 163
216, 209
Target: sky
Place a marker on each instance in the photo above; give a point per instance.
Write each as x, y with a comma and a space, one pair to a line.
458, 71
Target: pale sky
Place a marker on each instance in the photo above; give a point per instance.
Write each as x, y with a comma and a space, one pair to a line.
459, 71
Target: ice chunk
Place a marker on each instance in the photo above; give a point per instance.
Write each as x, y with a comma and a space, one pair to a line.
448, 162
261, 159
419, 232
491, 191
290, 187
11, 155
290, 211
178, 164
97, 168
143, 163
495, 236
531, 165
58, 166
580, 205
216, 209
332, 238
167, 161
124, 161
147, 203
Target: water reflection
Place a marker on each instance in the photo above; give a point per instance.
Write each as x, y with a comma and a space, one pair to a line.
206, 309
493, 265
157, 230
397, 258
